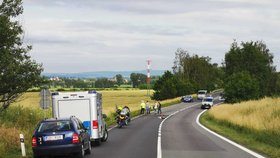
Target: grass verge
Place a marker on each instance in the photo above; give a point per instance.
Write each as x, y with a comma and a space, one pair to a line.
264, 142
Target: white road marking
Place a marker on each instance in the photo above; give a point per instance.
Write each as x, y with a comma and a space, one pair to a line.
159, 150
227, 140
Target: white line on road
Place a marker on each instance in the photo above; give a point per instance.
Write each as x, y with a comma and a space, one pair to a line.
227, 140
159, 150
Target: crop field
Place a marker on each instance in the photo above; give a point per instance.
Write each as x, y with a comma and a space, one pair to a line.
110, 98
255, 124
257, 115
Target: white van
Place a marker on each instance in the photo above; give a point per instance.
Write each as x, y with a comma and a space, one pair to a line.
87, 106
201, 94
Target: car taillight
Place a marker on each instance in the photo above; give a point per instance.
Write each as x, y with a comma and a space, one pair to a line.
75, 138
34, 142
95, 124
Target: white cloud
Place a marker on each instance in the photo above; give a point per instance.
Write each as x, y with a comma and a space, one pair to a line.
68, 36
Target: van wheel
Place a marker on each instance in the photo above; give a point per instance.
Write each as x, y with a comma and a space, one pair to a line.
105, 136
88, 151
81, 154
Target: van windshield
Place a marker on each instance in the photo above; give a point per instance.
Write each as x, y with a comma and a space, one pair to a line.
53, 126
208, 99
201, 92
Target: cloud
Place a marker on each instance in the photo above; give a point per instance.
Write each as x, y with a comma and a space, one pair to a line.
67, 36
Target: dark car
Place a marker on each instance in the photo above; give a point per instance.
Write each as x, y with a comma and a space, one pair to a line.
187, 98
61, 136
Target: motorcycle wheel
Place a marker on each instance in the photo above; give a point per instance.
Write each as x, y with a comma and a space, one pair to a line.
126, 122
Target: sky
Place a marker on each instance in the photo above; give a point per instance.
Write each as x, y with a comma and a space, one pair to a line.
71, 36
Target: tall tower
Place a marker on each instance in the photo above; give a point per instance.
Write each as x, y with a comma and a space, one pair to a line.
148, 76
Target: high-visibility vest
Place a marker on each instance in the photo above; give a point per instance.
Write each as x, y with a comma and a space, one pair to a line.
143, 105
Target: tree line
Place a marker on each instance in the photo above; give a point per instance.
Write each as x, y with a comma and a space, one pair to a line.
190, 73
246, 73
136, 80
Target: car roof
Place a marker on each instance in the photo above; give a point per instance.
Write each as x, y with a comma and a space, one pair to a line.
57, 119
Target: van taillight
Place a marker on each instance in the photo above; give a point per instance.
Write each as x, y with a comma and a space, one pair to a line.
34, 142
75, 138
95, 124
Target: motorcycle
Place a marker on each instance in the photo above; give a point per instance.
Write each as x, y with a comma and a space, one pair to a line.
123, 116
121, 120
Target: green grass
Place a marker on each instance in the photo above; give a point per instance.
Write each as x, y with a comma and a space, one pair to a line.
265, 142
16, 120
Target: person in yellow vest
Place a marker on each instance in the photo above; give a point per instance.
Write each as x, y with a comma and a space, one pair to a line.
118, 109
142, 107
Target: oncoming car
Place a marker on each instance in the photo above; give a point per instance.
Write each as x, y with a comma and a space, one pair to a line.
201, 94
207, 103
187, 98
63, 136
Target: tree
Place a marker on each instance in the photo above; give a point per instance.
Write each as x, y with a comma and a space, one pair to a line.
103, 83
197, 70
17, 71
241, 86
255, 58
119, 79
164, 87
137, 79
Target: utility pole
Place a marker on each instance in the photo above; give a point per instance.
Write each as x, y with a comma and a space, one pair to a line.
148, 76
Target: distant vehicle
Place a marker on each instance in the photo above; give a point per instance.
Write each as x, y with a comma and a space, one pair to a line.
207, 102
222, 97
62, 136
87, 106
187, 98
201, 94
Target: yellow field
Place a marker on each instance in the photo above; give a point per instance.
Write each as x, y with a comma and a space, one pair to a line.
110, 98
258, 115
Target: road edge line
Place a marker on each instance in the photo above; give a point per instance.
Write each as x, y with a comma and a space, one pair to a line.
226, 139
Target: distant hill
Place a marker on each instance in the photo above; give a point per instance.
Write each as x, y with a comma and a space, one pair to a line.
99, 74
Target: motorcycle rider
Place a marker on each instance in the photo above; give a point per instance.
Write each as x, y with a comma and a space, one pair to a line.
126, 111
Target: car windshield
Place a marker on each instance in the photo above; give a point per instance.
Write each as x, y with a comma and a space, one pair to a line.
188, 96
54, 126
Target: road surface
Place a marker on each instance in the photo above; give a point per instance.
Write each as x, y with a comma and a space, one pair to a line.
181, 137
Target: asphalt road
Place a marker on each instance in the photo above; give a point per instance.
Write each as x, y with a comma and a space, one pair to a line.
137, 140
181, 137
